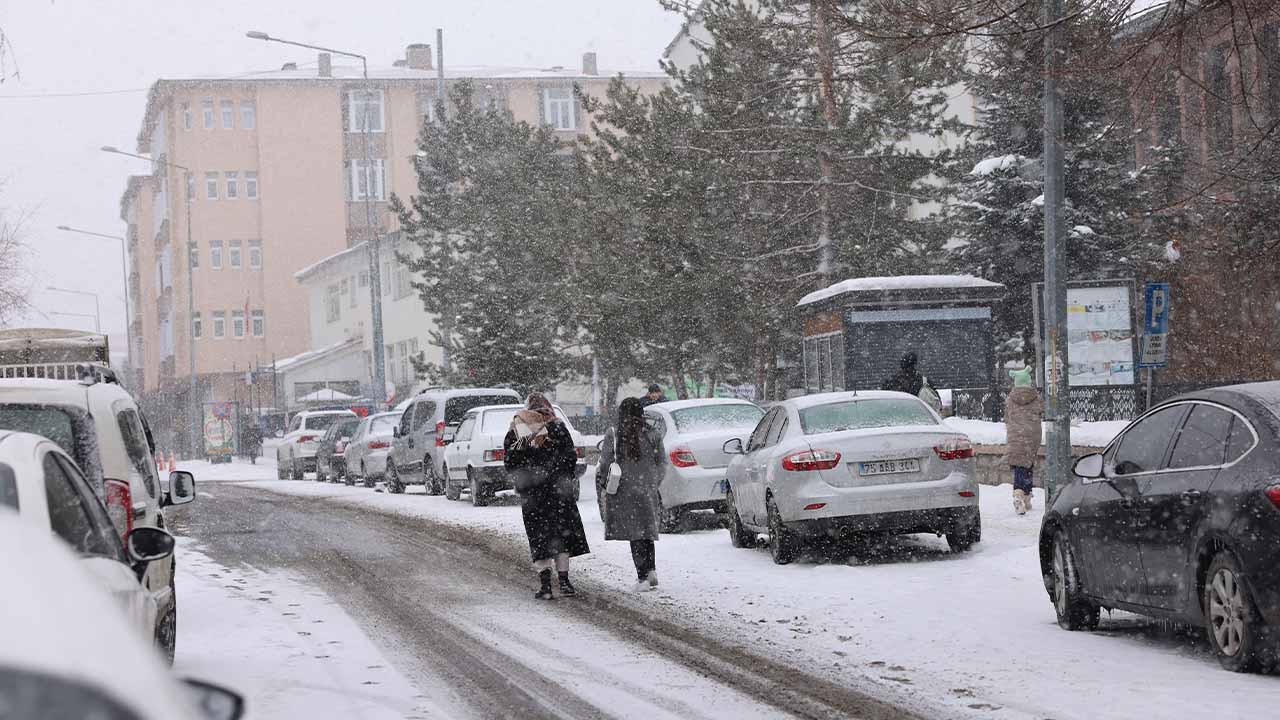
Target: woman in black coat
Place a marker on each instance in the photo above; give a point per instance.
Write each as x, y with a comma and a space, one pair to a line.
539, 441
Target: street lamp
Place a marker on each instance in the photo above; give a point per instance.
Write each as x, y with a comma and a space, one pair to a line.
375, 257
124, 273
187, 192
79, 315
97, 307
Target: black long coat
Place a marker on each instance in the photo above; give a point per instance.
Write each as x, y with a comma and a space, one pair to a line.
551, 521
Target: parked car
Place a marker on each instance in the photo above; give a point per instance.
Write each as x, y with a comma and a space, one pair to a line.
296, 453
1178, 518
473, 460
43, 484
98, 424
426, 428
369, 447
848, 463
67, 652
693, 436
331, 461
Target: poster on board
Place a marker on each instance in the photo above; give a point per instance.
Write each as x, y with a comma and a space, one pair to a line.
1100, 333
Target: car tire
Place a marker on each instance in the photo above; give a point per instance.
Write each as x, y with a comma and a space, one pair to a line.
784, 545
167, 627
739, 535
347, 477
479, 494
364, 475
1074, 611
295, 469
282, 471
434, 485
1236, 631
452, 490
962, 538
394, 486
670, 520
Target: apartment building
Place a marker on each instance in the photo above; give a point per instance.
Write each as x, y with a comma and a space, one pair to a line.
268, 172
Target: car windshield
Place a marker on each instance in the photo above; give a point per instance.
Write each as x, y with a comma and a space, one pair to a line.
862, 414
26, 693
496, 422
348, 428
50, 421
707, 418
383, 425
455, 408
322, 422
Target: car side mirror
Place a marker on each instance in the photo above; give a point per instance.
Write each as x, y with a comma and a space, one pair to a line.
733, 446
214, 701
1089, 467
182, 488
600, 445
146, 544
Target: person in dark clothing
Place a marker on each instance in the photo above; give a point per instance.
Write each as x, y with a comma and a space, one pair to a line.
539, 440
908, 379
633, 506
652, 395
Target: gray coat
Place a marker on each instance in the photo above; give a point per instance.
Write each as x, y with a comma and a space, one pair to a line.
1022, 411
632, 513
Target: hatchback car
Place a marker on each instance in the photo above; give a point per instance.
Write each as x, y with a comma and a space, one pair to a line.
367, 452
296, 453
694, 461
474, 459
1178, 518
426, 428
850, 463
331, 460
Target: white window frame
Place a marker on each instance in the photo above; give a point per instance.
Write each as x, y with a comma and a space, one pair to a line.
219, 324
237, 324
191, 186
248, 114
251, 184
211, 186
215, 254
332, 304
206, 112
554, 108
258, 322
378, 176
186, 116
233, 184
355, 120
227, 112
235, 254
197, 326
255, 254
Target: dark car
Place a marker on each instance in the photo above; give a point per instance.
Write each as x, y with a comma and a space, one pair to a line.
331, 461
1179, 518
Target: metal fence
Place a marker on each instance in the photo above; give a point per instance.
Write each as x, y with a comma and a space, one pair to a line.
1088, 403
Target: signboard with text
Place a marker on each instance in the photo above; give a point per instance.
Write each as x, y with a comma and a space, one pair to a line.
1155, 326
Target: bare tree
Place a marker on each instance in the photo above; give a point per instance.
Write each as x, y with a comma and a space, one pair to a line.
15, 288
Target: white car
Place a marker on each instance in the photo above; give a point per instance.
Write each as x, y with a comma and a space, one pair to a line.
67, 651
44, 485
851, 462
296, 453
100, 426
473, 460
369, 447
695, 463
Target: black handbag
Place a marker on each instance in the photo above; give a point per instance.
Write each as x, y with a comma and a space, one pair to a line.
524, 479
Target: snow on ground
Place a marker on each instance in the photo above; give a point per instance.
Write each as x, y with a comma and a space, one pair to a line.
1086, 434
284, 645
903, 618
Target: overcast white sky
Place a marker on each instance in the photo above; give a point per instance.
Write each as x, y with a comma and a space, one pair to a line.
49, 158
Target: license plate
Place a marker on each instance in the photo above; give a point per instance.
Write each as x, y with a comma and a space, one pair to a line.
888, 467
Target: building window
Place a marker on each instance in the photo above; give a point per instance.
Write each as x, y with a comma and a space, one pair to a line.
402, 281
219, 324
364, 279
248, 114
191, 187
332, 304
215, 254
233, 254
211, 186
255, 254
385, 278
558, 109
364, 106
194, 251
186, 116
1218, 100
251, 184
237, 323
197, 327
354, 294
259, 323
361, 180
346, 286
824, 363
206, 109
228, 114
233, 184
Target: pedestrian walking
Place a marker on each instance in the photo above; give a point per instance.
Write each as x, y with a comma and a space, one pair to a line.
1022, 416
633, 507
541, 457
909, 380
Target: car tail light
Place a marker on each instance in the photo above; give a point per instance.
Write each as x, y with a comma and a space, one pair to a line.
682, 457
807, 460
440, 434
967, 493
582, 452
495, 455
815, 506
1273, 494
379, 445
954, 450
119, 505
307, 438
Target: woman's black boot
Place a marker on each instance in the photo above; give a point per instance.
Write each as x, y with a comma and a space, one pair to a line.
545, 592
566, 587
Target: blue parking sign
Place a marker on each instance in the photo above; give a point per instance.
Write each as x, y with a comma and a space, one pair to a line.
1155, 326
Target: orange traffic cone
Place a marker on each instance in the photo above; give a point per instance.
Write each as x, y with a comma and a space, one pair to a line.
172, 464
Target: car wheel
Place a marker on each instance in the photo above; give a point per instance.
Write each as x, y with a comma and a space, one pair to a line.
1238, 635
739, 535
364, 475
452, 490
394, 486
479, 496
1074, 611
784, 545
434, 485
963, 537
295, 469
320, 476
167, 628
282, 470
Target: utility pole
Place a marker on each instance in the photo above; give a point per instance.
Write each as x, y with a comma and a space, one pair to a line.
826, 77
1058, 407
446, 322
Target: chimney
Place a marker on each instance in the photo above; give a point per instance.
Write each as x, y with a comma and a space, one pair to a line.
589, 64
418, 56
326, 65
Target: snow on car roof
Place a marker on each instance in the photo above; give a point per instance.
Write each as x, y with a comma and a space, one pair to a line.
897, 282
670, 405
808, 401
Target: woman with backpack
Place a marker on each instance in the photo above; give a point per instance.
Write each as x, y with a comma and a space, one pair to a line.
632, 505
541, 457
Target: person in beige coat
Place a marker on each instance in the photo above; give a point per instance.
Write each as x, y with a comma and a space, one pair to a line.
1022, 415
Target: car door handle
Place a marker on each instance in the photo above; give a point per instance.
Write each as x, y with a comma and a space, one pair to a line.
1192, 496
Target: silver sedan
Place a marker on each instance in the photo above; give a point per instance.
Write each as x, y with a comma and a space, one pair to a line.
851, 462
